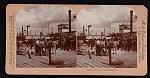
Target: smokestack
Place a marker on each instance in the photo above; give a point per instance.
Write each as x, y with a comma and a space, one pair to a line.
104, 31
27, 29
83, 30
89, 29
22, 30
30, 31
42, 30
131, 20
69, 12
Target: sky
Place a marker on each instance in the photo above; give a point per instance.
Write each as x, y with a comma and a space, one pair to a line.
49, 16
104, 16
42, 16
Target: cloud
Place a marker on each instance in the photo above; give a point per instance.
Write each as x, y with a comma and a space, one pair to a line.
104, 16
42, 16
49, 16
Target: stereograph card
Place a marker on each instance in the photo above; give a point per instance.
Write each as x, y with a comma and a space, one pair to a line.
57, 39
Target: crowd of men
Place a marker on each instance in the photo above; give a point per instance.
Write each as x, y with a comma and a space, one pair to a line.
43, 45
102, 45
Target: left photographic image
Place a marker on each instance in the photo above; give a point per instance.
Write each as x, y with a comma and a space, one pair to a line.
46, 37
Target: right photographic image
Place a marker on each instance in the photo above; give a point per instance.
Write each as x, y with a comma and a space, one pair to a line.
107, 37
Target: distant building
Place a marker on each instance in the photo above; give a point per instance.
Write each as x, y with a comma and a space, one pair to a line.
63, 30
33, 36
130, 35
124, 28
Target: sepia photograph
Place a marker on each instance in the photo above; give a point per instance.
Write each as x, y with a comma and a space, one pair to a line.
75, 39
46, 37
107, 37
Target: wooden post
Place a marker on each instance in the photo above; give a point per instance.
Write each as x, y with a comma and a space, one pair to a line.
110, 60
50, 60
29, 55
49, 44
89, 55
105, 45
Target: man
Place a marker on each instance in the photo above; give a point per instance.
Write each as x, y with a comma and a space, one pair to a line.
54, 43
65, 43
92, 43
31, 42
98, 47
37, 47
49, 44
42, 42
74, 43
18, 44
68, 42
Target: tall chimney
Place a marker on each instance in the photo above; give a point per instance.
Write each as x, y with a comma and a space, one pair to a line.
114, 31
22, 30
42, 31
27, 29
30, 32
88, 30
69, 12
83, 31
131, 20
104, 31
